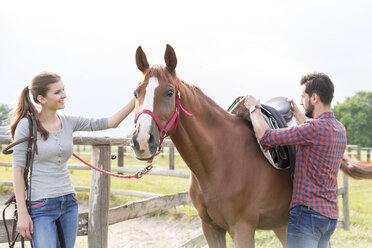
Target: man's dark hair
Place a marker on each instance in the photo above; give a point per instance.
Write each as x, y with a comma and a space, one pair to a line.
320, 84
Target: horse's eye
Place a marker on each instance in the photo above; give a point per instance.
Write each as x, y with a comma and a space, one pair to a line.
170, 92
135, 93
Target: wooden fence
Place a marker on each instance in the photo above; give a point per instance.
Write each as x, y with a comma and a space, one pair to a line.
356, 150
95, 222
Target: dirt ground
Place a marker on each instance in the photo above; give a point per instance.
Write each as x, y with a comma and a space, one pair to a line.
158, 231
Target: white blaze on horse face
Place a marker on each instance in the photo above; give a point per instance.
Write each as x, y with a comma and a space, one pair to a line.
145, 120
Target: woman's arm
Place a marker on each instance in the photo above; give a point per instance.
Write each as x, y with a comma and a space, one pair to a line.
118, 117
24, 225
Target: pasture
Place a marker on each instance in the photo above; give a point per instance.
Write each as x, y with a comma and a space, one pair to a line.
360, 195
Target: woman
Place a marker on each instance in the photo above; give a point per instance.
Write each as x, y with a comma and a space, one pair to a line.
54, 209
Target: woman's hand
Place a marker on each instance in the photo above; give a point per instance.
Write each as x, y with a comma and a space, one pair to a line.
25, 226
118, 117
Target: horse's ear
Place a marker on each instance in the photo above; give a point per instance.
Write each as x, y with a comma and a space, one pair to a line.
141, 60
170, 58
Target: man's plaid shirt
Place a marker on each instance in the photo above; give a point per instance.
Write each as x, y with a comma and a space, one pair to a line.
321, 144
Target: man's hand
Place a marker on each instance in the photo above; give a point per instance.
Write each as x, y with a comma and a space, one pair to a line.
295, 110
259, 123
250, 101
300, 117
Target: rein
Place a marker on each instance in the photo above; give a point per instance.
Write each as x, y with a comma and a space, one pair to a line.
173, 120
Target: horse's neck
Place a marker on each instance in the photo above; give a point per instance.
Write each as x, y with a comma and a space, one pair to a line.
196, 136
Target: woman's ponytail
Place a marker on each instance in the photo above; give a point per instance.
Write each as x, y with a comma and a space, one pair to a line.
23, 108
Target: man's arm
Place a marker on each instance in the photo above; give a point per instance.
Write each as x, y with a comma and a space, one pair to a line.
258, 121
302, 134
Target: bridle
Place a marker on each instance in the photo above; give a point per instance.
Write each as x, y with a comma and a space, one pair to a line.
172, 122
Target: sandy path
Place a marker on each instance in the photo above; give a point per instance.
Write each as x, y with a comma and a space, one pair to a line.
162, 232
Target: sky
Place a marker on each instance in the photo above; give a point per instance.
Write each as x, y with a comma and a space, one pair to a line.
227, 48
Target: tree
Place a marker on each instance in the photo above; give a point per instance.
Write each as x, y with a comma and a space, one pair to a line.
356, 115
4, 114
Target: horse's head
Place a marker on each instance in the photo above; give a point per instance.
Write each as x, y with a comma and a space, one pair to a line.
155, 103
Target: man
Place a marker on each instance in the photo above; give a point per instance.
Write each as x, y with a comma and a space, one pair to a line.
321, 144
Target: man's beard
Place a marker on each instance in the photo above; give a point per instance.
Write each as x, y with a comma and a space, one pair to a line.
309, 110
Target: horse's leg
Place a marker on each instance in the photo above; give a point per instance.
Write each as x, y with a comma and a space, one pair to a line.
281, 233
216, 236
243, 236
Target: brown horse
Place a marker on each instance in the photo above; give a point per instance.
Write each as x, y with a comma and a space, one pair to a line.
232, 185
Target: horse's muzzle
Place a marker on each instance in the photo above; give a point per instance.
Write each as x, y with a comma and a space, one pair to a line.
145, 146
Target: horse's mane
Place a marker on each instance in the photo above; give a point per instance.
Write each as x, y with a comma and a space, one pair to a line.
163, 73
195, 90
198, 93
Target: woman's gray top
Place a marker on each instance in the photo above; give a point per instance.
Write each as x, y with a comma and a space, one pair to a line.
50, 176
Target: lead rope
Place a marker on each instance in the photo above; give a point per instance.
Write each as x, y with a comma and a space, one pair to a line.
137, 175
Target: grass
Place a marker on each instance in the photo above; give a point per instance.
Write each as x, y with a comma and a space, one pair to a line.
360, 200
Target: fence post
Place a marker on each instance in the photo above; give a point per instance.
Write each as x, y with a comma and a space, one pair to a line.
358, 152
99, 198
171, 158
368, 154
345, 202
120, 158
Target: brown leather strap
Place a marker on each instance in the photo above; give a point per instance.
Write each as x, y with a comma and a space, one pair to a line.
5, 225
5, 150
31, 149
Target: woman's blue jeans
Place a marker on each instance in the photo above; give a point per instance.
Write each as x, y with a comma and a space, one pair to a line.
55, 222
309, 229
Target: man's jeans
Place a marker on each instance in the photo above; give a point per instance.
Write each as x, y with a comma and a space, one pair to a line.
309, 229
55, 222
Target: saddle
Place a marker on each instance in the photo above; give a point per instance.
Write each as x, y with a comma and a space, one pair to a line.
277, 114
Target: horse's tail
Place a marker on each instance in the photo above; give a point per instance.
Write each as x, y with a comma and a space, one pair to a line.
356, 169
